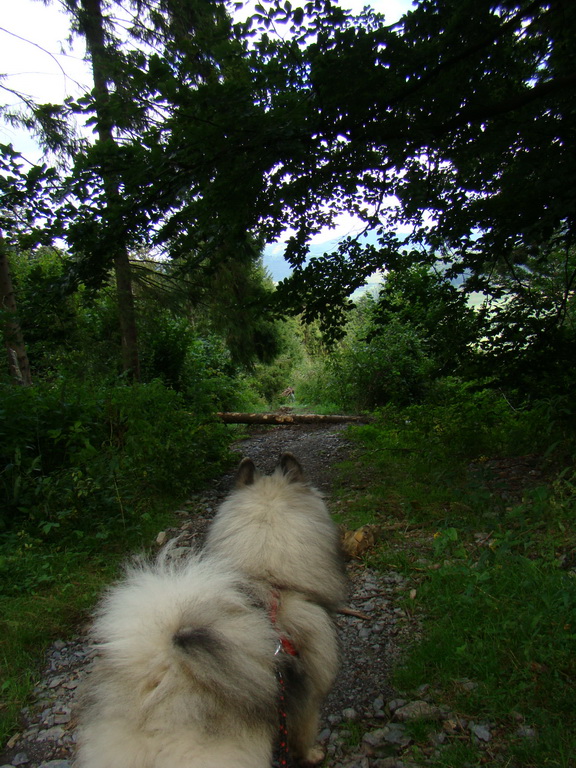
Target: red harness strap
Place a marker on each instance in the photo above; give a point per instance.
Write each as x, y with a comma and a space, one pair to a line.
286, 645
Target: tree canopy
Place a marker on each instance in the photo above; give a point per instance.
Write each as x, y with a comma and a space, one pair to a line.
448, 133
461, 116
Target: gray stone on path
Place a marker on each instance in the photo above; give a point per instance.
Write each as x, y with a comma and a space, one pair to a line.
393, 733
481, 732
56, 764
417, 710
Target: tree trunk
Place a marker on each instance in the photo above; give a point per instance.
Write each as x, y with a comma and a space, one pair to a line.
127, 315
18, 363
290, 418
92, 26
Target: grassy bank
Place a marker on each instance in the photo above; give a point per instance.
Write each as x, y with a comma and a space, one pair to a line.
487, 534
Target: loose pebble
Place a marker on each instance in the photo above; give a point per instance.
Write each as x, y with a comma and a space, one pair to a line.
481, 732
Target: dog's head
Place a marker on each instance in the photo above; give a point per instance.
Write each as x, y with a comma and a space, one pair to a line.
288, 465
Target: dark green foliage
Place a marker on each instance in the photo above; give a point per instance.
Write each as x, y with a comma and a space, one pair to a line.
24, 198
529, 341
166, 340
423, 299
239, 297
373, 364
423, 327
391, 366
269, 380
78, 462
195, 342
210, 381
460, 421
49, 315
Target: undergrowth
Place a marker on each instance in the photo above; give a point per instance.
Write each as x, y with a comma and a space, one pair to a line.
87, 477
494, 573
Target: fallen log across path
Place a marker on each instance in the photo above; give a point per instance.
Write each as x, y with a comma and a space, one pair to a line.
291, 418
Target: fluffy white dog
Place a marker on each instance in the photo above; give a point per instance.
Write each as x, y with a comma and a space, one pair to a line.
195, 656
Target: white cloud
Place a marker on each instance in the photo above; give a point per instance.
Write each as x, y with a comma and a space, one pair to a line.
276, 250
345, 225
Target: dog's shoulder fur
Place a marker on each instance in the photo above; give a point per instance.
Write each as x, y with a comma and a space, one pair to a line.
276, 528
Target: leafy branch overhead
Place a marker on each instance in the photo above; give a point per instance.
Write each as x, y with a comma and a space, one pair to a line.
463, 111
450, 130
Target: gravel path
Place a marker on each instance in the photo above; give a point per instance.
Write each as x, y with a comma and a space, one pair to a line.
363, 725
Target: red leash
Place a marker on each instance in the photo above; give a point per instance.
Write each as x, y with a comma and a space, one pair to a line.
282, 726
284, 644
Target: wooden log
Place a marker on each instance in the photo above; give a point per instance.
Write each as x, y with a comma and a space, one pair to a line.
290, 418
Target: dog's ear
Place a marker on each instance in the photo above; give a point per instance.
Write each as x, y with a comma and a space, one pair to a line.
292, 468
246, 473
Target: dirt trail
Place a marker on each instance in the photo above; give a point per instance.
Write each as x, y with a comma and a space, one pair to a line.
369, 647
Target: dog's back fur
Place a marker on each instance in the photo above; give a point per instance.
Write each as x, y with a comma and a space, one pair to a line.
277, 530
186, 675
